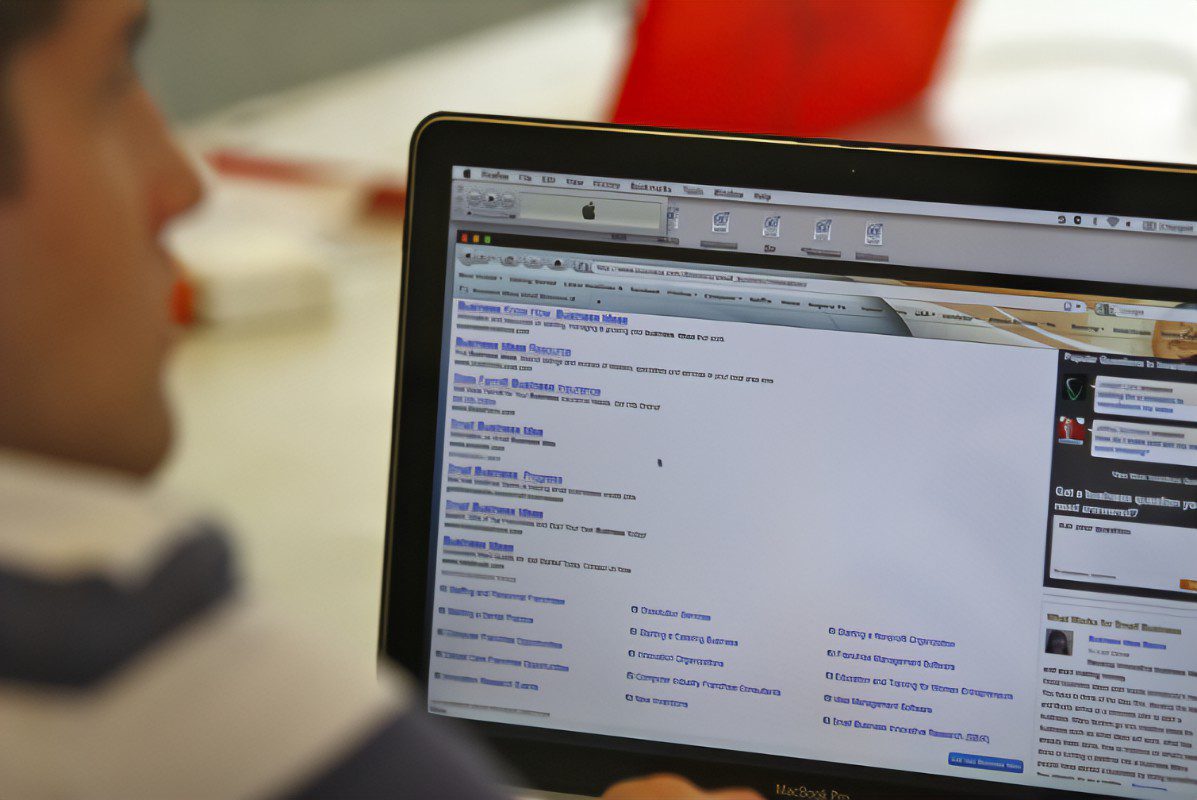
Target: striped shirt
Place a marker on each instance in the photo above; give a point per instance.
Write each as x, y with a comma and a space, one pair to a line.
132, 665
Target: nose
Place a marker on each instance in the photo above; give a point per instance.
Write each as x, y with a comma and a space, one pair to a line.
174, 184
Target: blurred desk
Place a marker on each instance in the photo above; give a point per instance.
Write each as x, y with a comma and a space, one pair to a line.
286, 428
285, 424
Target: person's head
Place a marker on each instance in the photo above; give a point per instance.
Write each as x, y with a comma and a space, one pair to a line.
1057, 643
88, 180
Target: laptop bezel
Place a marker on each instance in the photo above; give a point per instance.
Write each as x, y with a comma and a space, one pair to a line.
586, 763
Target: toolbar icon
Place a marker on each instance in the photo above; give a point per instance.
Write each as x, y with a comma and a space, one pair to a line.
1075, 387
772, 227
721, 222
822, 230
1070, 430
875, 234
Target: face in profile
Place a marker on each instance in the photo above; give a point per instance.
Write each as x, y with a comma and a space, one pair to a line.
85, 283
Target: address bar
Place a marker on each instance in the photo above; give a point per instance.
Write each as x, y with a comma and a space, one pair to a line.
878, 290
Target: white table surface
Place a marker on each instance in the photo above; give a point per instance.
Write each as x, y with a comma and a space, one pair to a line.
285, 426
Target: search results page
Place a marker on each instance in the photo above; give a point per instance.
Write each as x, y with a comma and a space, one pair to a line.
929, 527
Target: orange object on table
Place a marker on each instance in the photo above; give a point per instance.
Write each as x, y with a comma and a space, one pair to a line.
789, 67
183, 301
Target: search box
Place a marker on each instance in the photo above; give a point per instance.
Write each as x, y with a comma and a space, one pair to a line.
1126, 311
602, 213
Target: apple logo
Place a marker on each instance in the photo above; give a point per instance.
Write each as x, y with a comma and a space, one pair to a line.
588, 211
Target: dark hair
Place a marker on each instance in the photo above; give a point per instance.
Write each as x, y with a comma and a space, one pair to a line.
1057, 642
20, 20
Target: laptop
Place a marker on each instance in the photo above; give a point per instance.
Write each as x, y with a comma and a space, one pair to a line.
832, 469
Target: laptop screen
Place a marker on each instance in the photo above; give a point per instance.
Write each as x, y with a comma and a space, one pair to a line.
887, 483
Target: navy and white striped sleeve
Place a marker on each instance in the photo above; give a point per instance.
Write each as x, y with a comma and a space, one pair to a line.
162, 680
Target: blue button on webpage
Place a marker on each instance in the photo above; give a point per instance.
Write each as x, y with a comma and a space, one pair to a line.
985, 762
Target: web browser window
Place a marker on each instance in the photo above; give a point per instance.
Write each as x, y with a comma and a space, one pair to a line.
894, 484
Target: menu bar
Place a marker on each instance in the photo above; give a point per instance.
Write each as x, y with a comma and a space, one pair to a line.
667, 189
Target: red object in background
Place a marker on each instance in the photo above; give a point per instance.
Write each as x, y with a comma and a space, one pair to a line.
791, 67
247, 165
182, 302
385, 201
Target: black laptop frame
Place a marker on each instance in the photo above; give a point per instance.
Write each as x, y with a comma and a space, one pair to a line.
586, 763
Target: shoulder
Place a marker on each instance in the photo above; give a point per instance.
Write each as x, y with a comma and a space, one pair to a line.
133, 665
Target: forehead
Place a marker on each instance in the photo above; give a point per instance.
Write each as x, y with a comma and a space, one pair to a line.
97, 23
68, 61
